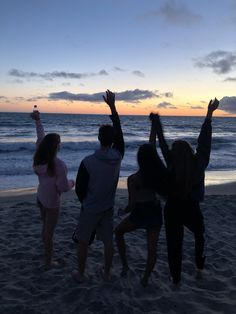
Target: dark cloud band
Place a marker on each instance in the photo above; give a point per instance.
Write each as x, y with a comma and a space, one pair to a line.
220, 62
54, 74
228, 104
128, 95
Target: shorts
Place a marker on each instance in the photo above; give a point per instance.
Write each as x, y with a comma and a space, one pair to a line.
40, 205
147, 215
101, 223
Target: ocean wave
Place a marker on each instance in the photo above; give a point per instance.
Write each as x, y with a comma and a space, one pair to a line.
125, 169
24, 147
30, 147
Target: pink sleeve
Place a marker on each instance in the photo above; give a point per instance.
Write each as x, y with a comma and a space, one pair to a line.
39, 131
62, 183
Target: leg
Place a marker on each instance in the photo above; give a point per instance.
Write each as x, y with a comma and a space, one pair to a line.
51, 219
174, 238
43, 218
125, 226
82, 252
199, 249
152, 238
108, 256
86, 226
195, 223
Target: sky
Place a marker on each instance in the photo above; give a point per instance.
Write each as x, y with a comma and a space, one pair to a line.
166, 56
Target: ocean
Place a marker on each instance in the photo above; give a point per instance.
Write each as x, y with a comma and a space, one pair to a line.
79, 138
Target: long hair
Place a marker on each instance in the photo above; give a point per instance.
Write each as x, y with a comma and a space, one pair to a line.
46, 152
184, 166
151, 168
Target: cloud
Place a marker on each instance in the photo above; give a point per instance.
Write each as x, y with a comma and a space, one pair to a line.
219, 61
166, 105
3, 97
230, 79
228, 104
97, 97
102, 72
134, 72
136, 95
197, 107
138, 73
18, 81
36, 98
54, 75
173, 12
118, 69
129, 95
167, 94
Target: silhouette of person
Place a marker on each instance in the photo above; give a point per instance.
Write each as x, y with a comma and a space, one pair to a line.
96, 185
52, 176
186, 190
144, 204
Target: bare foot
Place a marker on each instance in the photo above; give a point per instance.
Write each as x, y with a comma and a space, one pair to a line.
199, 274
124, 271
144, 281
106, 276
79, 278
53, 264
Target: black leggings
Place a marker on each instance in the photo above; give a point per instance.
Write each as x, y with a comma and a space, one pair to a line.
179, 213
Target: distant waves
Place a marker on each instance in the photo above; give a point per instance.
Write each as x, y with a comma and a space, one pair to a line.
79, 138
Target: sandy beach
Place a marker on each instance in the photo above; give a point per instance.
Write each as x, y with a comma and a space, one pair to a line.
25, 288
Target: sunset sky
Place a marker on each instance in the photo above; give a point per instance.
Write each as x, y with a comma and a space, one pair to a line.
157, 55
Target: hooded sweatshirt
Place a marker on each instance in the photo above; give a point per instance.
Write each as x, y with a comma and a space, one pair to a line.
50, 187
98, 174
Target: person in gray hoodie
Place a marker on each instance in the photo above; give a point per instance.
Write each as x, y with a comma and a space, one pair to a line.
95, 187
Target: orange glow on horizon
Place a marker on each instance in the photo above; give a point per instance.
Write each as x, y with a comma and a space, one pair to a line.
102, 108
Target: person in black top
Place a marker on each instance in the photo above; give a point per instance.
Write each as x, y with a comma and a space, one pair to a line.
186, 190
145, 188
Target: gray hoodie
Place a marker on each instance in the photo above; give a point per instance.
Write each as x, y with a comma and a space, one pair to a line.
98, 174
103, 168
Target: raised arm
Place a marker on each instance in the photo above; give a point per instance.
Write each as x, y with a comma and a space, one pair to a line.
205, 136
156, 122
119, 139
39, 127
153, 131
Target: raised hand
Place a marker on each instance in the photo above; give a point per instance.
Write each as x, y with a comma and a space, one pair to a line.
35, 115
154, 117
110, 100
71, 183
213, 105
156, 122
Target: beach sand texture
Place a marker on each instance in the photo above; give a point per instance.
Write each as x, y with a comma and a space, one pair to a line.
25, 288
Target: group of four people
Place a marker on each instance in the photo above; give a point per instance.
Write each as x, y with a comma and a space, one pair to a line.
180, 182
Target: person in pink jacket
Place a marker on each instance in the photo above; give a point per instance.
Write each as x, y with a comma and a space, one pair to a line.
52, 176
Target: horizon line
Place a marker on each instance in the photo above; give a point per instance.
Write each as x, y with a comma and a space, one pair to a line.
101, 114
